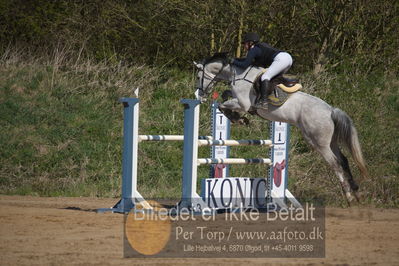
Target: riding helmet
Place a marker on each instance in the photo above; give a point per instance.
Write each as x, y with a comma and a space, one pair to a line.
251, 37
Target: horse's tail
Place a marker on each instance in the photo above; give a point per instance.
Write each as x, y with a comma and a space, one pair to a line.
345, 132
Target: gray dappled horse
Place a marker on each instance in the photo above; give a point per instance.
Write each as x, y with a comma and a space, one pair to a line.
322, 125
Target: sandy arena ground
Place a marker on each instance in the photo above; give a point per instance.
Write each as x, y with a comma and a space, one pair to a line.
65, 231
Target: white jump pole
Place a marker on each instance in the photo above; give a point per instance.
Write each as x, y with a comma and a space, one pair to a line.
169, 138
234, 161
243, 142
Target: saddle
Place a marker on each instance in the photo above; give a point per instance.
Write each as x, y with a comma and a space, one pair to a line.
282, 88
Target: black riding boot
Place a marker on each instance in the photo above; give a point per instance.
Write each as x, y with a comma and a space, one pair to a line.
265, 90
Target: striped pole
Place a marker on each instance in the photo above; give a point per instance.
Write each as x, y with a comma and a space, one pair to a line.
202, 161
242, 142
168, 138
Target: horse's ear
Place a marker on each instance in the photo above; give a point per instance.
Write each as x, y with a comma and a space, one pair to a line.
198, 65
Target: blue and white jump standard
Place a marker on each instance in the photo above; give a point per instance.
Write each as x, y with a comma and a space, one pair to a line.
190, 198
130, 196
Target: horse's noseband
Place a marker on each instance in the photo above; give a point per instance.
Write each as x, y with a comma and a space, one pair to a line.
204, 91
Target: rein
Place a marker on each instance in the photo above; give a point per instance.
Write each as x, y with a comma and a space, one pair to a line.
243, 78
214, 78
209, 77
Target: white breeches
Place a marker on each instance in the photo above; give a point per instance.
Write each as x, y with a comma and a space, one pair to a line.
281, 63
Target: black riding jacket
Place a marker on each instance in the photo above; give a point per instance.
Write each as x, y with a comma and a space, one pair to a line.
261, 55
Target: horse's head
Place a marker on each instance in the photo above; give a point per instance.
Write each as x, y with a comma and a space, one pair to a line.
210, 71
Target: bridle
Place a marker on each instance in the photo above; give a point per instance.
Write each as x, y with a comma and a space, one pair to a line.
214, 78
244, 78
208, 76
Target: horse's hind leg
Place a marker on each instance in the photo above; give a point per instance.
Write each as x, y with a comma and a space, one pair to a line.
340, 165
322, 141
343, 161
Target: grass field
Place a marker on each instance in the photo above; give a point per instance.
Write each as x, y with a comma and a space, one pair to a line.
61, 129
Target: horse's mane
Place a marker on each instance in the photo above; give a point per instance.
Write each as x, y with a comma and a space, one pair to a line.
217, 57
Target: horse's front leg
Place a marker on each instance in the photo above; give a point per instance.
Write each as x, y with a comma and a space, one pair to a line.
243, 93
232, 110
233, 105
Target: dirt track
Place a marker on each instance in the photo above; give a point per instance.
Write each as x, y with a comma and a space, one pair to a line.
65, 231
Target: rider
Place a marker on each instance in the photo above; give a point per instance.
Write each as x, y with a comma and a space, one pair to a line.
261, 54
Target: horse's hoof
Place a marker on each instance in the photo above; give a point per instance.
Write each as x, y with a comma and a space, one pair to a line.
353, 201
359, 196
243, 121
227, 94
349, 198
